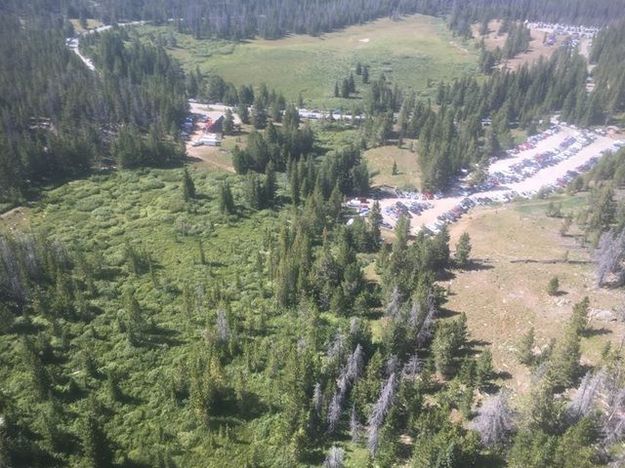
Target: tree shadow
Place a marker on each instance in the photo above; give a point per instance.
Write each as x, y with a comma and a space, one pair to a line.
446, 275
502, 375
446, 313
128, 399
551, 262
23, 326
107, 273
490, 460
588, 333
479, 265
476, 343
157, 336
230, 411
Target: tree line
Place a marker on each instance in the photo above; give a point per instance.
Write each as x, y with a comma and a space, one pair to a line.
471, 121
271, 19
58, 118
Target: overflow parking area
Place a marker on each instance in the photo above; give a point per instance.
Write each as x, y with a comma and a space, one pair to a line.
545, 162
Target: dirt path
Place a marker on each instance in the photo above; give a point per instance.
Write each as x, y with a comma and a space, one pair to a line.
10, 213
74, 42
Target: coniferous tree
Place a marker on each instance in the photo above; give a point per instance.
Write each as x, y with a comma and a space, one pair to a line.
188, 187
463, 249
228, 126
351, 84
95, 445
525, 348
243, 112
345, 89
270, 184
226, 200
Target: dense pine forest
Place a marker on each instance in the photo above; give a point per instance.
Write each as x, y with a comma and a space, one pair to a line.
274, 18
159, 313
59, 119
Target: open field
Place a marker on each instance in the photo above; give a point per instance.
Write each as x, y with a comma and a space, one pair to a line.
505, 294
415, 53
380, 162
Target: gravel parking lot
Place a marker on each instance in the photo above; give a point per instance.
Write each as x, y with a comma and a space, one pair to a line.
548, 161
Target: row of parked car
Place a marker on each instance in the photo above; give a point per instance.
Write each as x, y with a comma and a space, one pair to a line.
528, 167
452, 215
575, 31
533, 140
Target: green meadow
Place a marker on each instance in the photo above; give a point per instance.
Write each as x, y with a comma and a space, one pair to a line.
415, 53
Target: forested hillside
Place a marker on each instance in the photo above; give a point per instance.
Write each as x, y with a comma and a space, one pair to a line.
156, 312
274, 18
59, 118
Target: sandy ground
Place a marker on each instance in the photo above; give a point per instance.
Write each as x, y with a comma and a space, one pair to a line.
543, 177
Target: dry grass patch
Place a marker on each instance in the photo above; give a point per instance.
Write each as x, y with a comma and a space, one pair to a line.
380, 162
517, 250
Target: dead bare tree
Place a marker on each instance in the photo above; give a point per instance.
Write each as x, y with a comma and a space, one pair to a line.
222, 326
609, 257
380, 410
426, 328
586, 395
395, 303
348, 376
317, 399
335, 458
495, 420
354, 426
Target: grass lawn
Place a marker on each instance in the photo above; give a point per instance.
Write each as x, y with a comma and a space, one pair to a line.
380, 162
415, 53
506, 294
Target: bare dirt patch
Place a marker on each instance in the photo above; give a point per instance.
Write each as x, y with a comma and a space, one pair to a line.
15, 218
536, 48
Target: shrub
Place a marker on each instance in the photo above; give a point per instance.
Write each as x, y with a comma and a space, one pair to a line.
553, 286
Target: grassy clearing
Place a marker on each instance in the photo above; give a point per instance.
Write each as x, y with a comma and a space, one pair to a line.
414, 52
505, 295
380, 162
